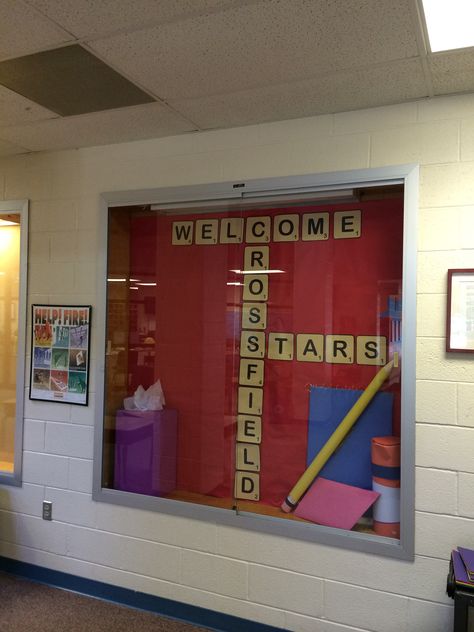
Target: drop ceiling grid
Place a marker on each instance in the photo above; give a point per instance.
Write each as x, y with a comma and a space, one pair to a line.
15, 109
260, 44
384, 84
224, 63
99, 128
452, 72
23, 30
85, 19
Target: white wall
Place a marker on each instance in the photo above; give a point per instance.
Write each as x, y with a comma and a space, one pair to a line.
282, 582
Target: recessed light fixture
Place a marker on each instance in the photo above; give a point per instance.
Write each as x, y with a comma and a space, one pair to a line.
449, 24
6, 222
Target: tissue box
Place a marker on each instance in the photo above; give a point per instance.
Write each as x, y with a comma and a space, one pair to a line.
145, 451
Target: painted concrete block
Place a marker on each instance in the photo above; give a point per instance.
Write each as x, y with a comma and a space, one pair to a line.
432, 268
445, 447
465, 405
72, 507
423, 143
52, 214
47, 411
466, 495
321, 561
436, 402
45, 469
432, 617
215, 574
26, 499
270, 586
437, 535
69, 440
431, 315
436, 491
443, 108
33, 532
371, 609
80, 475
444, 228
433, 363
467, 138
158, 527
449, 184
33, 435
129, 554
375, 119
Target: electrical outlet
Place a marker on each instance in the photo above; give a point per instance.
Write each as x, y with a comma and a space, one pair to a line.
47, 510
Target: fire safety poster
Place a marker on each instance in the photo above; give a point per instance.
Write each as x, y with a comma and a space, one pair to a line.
60, 353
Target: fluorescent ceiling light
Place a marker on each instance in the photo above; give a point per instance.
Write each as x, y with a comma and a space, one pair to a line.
258, 271
117, 280
449, 24
147, 284
234, 283
6, 222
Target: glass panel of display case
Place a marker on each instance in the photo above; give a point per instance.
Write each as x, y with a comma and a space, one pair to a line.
13, 235
253, 358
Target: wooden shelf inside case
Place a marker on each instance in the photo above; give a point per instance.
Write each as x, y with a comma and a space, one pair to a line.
231, 503
249, 506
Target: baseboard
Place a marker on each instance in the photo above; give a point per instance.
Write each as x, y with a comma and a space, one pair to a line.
126, 597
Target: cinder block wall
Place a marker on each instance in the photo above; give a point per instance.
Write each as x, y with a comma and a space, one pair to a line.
282, 582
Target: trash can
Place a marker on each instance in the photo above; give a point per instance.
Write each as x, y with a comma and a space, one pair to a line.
460, 587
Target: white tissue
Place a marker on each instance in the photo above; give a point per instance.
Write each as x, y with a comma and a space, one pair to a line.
150, 399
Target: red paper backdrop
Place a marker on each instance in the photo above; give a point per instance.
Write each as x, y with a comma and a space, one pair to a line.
338, 286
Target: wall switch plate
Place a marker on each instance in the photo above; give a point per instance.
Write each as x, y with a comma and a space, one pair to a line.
47, 510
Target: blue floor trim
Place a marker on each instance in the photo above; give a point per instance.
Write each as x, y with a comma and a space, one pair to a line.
126, 597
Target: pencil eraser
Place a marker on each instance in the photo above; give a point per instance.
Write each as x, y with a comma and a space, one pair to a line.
286, 507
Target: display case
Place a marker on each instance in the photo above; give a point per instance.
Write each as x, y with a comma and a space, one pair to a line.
275, 324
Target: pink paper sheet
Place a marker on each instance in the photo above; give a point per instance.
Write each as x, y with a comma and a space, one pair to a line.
335, 504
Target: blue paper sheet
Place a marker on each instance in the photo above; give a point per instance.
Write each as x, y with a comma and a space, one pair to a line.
351, 463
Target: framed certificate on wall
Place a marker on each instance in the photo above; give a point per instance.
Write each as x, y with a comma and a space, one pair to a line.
460, 311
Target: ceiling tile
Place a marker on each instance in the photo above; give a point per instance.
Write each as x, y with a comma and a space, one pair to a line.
350, 90
23, 30
269, 42
101, 128
452, 72
84, 18
16, 109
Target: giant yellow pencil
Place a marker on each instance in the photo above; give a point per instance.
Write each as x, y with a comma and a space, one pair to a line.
313, 469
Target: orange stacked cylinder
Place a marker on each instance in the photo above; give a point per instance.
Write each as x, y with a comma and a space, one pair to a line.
385, 453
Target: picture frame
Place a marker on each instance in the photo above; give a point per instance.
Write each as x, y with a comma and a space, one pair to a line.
460, 311
60, 351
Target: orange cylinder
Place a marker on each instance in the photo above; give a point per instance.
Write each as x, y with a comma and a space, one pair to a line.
385, 452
